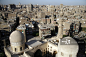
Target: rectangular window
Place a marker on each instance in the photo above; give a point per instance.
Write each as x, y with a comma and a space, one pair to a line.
15, 49
20, 48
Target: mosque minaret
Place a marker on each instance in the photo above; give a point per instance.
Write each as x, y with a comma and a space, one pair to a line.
60, 29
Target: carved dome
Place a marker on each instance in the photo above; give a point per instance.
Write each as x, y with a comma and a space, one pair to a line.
16, 36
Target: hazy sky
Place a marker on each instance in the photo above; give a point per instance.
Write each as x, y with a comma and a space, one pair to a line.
45, 2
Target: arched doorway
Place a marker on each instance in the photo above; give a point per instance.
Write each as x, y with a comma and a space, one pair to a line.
38, 53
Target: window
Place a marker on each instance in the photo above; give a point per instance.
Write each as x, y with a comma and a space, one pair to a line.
20, 48
62, 54
46, 49
15, 49
48, 45
70, 55
50, 49
50, 20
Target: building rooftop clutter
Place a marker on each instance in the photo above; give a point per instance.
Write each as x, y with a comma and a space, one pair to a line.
32, 44
7, 26
50, 22
21, 27
45, 26
83, 25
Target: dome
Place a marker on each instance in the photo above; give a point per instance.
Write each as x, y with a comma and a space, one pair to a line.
72, 47
16, 36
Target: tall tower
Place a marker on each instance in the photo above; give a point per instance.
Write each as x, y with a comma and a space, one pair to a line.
61, 13
52, 19
61, 6
19, 3
60, 29
29, 7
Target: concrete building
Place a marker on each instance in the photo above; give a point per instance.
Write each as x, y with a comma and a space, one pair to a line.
33, 47
44, 31
23, 20
12, 6
52, 19
44, 21
61, 6
22, 28
29, 8
8, 26
51, 8
48, 21
66, 28
29, 29
76, 27
41, 14
12, 16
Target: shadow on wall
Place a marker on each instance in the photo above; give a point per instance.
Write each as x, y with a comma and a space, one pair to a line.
39, 53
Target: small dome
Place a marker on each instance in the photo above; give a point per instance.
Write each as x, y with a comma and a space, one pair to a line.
72, 47
16, 36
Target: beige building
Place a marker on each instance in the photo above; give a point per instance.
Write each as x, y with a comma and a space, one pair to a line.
23, 20
41, 14
66, 28
11, 16
44, 31
44, 48
29, 8
22, 28
51, 8
17, 44
69, 49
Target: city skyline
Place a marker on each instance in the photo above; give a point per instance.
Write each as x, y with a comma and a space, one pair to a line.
44, 2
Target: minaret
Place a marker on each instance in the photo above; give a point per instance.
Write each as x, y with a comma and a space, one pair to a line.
60, 29
52, 19
19, 3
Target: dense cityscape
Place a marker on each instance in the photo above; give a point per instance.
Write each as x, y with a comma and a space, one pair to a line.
42, 30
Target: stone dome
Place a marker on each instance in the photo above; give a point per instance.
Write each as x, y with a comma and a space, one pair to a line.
68, 48
16, 36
